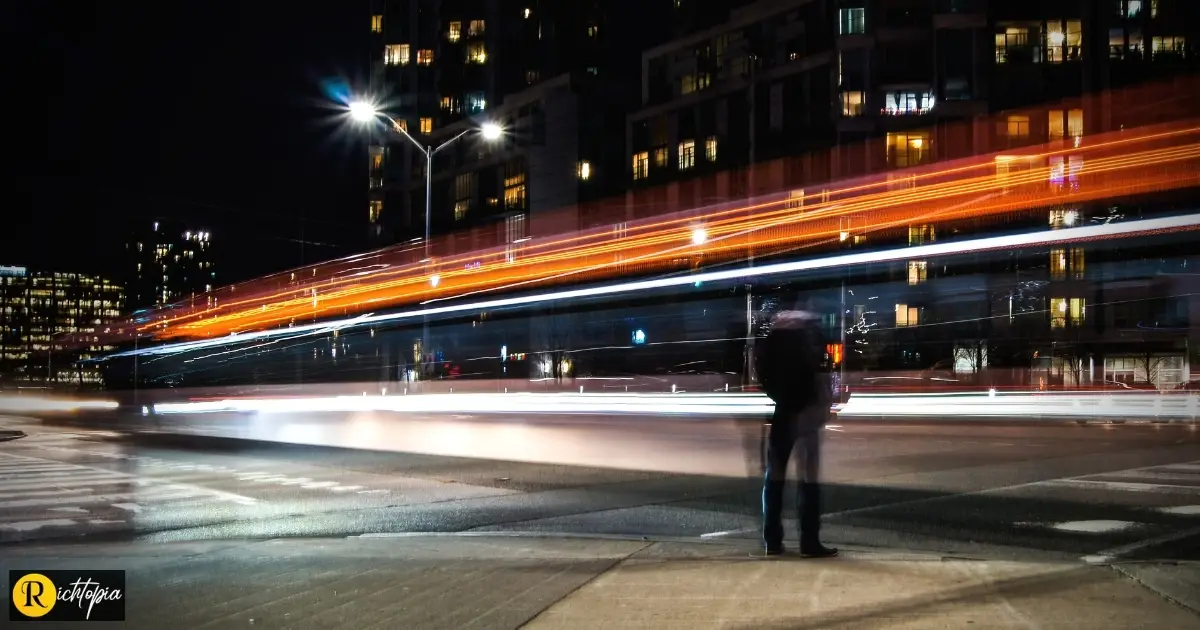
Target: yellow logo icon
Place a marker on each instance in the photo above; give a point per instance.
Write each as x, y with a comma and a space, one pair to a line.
34, 595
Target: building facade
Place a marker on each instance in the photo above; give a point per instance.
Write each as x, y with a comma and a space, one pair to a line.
796, 94
789, 77
168, 262
555, 75
49, 322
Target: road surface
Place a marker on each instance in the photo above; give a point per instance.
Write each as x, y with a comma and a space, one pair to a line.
1059, 490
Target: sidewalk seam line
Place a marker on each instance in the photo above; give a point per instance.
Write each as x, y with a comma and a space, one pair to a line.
1174, 600
616, 563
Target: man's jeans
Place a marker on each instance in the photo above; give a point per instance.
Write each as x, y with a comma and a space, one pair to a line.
804, 435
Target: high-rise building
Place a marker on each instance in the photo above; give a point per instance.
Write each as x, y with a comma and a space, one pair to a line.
780, 78
558, 76
49, 321
169, 262
799, 95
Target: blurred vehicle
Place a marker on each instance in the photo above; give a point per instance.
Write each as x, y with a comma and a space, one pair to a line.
1191, 386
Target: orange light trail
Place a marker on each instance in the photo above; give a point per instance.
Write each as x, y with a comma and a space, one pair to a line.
1168, 158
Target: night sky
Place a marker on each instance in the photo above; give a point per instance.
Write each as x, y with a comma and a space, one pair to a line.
216, 112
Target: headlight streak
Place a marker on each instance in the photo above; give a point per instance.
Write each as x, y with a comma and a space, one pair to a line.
1044, 237
1019, 405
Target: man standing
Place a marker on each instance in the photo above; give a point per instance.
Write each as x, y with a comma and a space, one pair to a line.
791, 367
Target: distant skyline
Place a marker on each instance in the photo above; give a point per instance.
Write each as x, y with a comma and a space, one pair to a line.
216, 114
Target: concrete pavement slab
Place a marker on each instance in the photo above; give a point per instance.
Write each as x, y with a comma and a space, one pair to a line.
860, 591
1178, 582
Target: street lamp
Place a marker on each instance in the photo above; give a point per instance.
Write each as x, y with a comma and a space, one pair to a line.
365, 112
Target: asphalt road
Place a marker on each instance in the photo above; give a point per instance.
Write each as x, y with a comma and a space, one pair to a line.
1055, 490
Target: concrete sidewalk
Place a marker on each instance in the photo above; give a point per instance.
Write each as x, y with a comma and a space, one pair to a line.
456, 581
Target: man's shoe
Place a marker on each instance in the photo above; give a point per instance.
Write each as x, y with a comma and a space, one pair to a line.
817, 550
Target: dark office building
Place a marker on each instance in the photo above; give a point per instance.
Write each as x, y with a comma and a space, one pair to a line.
558, 76
168, 262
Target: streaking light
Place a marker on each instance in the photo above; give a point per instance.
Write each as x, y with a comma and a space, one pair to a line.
1029, 239
18, 404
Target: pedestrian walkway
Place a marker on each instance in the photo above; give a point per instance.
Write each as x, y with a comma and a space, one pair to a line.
458, 582
42, 496
59, 484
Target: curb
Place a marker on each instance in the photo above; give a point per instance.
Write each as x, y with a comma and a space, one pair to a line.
1182, 597
7, 435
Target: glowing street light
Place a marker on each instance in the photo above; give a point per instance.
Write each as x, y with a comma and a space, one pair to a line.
491, 131
363, 111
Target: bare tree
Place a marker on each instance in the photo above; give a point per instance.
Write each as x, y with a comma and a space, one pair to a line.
1072, 365
1148, 365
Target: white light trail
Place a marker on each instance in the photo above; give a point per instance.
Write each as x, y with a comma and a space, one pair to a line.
1014, 241
1021, 406
31, 404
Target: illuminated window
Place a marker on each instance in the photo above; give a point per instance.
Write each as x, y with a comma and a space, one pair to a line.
1064, 40
464, 194
449, 103
1129, 8
425, 56
1154, 8
426, 125
917, 270
475, 28
907, 316
641, 165
1064, 311
1017, 127
854, 103
903, 103
687, 154
660, 157
907, 148
1168, 46
376, 23
531, 76
396, 54
593, 30
687, 84
376, 158
1075, 124
515, 197
710, 149
852, 21
476, 102
401, 124
454, 32
920, 234
584, 170
375, 210
476, 53
1055, 119
1063, 217
1017, 43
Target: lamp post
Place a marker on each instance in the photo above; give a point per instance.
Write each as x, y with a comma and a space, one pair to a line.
364, 112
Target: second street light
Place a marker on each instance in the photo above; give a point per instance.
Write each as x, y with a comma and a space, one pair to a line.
365, 112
